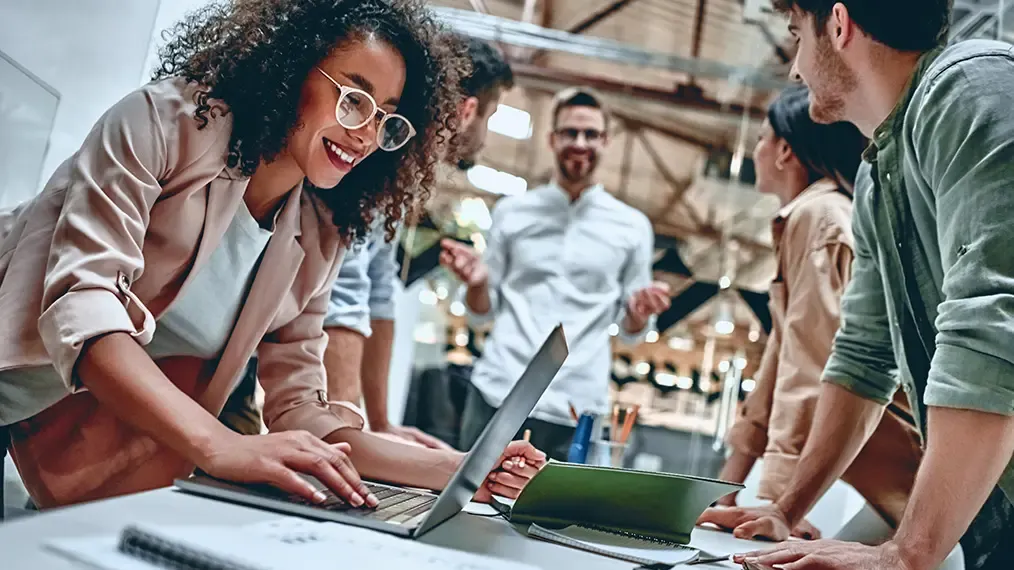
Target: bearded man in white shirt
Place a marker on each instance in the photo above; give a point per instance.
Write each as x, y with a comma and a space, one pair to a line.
567, 252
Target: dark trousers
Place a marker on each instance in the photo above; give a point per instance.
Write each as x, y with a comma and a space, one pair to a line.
551, 438
241, 413
988, 543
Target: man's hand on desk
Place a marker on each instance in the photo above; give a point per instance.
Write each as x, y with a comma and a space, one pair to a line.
828, 555
515, 468
765, 522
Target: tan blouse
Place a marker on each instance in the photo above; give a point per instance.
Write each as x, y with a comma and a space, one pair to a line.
813, 242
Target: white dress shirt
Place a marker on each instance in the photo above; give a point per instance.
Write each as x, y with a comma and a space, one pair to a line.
555, 261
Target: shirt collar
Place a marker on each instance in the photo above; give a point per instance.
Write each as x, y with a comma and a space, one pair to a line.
892, 125
588, 195
819, 188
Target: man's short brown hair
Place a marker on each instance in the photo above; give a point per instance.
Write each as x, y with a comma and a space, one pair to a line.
578, 97
925, 22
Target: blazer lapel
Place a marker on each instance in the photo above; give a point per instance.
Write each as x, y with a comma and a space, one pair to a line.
275, 274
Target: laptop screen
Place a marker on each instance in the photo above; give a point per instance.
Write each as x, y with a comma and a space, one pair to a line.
500, 431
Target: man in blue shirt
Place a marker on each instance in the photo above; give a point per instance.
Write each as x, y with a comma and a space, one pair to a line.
360, 320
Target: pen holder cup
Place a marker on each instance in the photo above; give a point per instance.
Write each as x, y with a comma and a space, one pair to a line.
608, 453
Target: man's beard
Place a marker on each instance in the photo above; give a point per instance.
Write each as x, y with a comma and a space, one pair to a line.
468, 147
576, 174
833, 81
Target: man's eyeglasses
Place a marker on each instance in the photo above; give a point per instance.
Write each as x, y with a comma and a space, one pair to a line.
356, 108
571, 135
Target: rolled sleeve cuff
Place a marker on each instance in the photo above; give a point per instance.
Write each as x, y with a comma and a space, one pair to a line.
747, 438
776, 475
79, 316
321, 418
860, 380
970, 380
356, 320
382, 310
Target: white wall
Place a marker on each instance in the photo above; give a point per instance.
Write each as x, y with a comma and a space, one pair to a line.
90, 51
169, 12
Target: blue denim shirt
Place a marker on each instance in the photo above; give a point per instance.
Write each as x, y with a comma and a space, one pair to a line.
931, 301
364, 289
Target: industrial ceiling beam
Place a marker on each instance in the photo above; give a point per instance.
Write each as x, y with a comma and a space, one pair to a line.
667, 130
479, 6
698, 37
509, 31
598, 15
592, 19
683, 96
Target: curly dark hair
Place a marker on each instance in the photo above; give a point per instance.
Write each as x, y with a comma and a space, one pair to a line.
254, 56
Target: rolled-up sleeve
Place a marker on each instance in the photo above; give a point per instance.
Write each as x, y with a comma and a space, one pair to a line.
291, 370
818, 278
862, 358
382, 273
966, 153
348, 301
749, 434
636, 275
96, 252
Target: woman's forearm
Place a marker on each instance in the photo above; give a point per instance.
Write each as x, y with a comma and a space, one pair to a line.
121, 375
381, 459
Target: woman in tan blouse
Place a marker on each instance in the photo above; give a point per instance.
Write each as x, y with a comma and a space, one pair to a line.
204, 218
811, 169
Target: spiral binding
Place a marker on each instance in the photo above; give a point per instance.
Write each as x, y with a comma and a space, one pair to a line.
643, 537
160, 552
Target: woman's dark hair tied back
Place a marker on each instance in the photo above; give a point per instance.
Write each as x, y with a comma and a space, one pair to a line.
254, 56
827, 151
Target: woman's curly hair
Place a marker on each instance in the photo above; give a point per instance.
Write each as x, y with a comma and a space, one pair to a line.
254, 56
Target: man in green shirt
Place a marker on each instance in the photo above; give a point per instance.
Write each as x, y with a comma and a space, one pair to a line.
930, 307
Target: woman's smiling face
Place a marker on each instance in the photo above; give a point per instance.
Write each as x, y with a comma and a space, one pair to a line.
324, 149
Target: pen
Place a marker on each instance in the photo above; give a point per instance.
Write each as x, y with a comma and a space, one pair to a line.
628, 423
528, 435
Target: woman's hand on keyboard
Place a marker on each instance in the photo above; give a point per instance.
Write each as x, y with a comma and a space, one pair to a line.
279, 458
519, 463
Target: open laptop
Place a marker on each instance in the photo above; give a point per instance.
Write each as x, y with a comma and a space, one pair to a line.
405, 512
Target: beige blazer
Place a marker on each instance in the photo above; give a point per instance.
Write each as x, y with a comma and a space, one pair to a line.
813, 241
108, 245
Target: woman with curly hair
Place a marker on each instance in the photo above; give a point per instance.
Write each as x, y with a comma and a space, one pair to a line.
203, 220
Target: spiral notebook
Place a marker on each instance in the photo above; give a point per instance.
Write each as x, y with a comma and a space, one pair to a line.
281, 544
652, 507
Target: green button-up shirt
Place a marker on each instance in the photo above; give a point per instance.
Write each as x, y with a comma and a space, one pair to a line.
931, 301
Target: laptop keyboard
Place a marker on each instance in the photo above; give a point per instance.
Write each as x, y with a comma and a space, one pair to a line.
397, 506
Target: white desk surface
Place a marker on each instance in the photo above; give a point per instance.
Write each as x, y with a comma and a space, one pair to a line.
22, 540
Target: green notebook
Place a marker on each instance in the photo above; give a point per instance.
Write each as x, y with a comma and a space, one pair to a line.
651, 506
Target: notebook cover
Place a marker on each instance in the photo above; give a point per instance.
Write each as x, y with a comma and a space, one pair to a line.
662, 506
